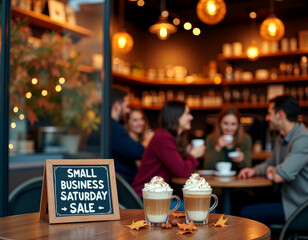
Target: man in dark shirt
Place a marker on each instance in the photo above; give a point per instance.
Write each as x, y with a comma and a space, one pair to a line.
125, 151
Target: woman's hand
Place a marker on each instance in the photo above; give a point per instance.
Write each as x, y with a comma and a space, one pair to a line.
198, 152
222, 142
240, 158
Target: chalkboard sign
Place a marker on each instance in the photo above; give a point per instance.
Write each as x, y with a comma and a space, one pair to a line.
79, 190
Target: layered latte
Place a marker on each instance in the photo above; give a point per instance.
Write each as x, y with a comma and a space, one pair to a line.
157, 196
197, 197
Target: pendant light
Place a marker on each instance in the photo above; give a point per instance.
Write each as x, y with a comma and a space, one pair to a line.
211, 11
163, 28
272, 28
252, 51
122, 41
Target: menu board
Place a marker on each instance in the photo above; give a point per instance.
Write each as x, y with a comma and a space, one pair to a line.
79, 190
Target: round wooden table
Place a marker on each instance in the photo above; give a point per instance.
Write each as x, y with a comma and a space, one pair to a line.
229, 182
28, 226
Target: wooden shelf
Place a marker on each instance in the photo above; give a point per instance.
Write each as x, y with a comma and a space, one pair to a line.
269, 55
44, 21
280, 79
130, 78
216, 107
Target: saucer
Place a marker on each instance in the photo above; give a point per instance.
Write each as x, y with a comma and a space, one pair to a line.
224, 174
205, 172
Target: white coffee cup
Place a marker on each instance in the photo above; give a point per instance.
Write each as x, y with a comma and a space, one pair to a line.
197, 142
228, 138
223, 167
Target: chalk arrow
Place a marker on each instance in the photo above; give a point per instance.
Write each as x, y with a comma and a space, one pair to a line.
64, 209
100, 207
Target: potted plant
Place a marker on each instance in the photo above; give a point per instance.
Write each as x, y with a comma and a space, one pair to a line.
46, 82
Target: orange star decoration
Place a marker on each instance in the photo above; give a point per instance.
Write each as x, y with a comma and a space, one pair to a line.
138, 224
221, 222
187, 228
178, 214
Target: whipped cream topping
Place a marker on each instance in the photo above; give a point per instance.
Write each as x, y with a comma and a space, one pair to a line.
196, 183
157, 184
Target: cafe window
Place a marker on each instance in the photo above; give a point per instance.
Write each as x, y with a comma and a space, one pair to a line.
56, 83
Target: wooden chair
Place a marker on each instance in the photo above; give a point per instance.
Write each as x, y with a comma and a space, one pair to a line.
26, 197
128, 198
297, 225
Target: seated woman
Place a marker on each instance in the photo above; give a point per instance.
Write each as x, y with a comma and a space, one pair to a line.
167, 153
228, 136
137, 126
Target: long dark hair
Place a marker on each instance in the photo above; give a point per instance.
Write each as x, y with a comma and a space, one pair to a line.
169, 120
238, 137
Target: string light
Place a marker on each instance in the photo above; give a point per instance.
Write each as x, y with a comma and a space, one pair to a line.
15, 109
13, 125
61, 80
28, 95
21, 117
44, 93
187, 26
58, 88
11, 146
196, 31
34, 81
176, 21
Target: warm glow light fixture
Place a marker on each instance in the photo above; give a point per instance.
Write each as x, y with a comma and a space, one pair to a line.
122, 41
272, 28
211, 11
252, 53
163, 28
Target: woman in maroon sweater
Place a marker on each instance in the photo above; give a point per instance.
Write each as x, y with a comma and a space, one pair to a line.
167, 154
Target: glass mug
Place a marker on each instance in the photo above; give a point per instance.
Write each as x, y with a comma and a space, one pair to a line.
157, 206
197, 205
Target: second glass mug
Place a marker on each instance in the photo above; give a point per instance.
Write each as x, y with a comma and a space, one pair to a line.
157, 206
197, 205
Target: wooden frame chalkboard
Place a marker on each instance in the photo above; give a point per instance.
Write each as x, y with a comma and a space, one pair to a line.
79, 190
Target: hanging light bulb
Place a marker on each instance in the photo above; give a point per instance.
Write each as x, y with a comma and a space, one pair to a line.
252, 53
211, 11
162, 28
122, 41
272, 28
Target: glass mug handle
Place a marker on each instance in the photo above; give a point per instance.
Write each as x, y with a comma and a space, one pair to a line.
215, 203
177, 204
